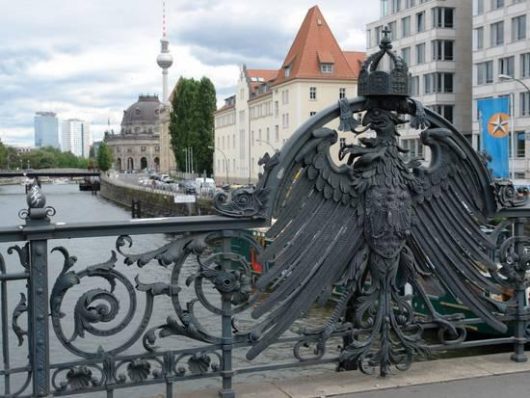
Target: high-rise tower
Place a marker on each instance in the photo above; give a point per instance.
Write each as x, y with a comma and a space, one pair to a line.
164, 59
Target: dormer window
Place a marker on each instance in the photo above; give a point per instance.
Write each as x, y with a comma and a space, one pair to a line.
326, 68
287, 71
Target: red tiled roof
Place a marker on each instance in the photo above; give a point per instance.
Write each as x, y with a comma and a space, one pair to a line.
224, 108
315, 43
325, 57
355, 60
266, 74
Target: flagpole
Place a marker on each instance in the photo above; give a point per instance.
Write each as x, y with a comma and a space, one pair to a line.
512, 122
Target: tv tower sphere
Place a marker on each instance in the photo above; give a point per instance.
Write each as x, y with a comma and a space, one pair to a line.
164, 59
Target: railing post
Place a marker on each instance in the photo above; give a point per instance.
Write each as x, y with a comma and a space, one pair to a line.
226, 323
520, 297
226, 366
38, 336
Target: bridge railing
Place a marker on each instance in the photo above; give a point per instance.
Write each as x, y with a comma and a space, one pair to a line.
140, 312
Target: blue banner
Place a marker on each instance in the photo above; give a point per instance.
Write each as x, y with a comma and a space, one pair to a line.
494, 120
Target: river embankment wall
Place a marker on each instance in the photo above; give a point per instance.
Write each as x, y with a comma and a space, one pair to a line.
152, 202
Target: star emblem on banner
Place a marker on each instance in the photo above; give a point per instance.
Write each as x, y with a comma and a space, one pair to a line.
498, 125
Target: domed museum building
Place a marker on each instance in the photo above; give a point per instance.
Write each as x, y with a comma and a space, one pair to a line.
137, 146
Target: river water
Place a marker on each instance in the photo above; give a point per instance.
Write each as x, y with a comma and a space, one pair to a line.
75, 206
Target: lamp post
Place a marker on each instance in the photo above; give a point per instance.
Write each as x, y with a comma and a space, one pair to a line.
267, 143
505, 78
226, 160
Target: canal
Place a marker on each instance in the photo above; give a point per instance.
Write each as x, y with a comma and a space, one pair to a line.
75, 206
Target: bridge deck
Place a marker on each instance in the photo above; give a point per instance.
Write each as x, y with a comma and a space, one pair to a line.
429, 378
49, 173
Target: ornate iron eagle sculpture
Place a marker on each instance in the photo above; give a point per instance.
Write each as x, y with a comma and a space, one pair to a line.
374, 224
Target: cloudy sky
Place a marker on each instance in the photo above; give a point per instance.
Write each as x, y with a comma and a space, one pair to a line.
91, 58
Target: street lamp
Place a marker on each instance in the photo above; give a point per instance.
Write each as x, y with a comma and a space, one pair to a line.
226, 160
506, 78
267, 143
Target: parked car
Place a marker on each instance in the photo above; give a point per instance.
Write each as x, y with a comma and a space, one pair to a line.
188, 187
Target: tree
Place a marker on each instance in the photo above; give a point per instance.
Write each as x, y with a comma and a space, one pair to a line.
191, 122
104, 157
3, 155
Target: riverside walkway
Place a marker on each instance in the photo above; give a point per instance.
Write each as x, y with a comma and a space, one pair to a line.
486, 376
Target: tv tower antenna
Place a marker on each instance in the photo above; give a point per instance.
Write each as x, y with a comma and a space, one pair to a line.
164, 59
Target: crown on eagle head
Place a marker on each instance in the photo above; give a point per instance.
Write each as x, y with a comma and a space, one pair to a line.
378, 82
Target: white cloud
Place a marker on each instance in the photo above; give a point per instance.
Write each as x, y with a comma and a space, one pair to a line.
91, 59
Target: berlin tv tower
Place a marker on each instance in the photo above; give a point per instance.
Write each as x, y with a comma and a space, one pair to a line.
164, 59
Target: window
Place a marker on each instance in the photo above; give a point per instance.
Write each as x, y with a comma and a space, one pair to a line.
312, 93
497, 34
443, 17
525, 65
414, 83
519, 28
478, 38
524, 103
242, 145
268, 136
396, 6
420, 53
252, 138
410, 3
285, 97
497, 4
442, 50
277, 133
438, 82
478, 7
445, 110
326, 68
378, 30
285, 120
384, 8
276, 108
413, 146
342, 93
420, 22
405, 27
405, 54
287, 71
506, 66
369, 37
484, 72
233, 141
393, 30
520, 144
259, 135
241, 116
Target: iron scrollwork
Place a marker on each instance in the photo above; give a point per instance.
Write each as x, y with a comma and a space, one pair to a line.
228, 272
98, 305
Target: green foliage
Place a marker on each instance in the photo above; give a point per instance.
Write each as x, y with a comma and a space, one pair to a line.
41, 158
192, 122
3, 155
104, 157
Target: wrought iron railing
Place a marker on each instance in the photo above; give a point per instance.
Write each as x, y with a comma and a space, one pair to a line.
221, 281
163, 312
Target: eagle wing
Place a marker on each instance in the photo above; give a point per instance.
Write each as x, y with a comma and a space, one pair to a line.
453, 196
317, 239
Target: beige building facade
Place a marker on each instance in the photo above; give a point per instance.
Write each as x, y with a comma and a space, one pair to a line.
269, 105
